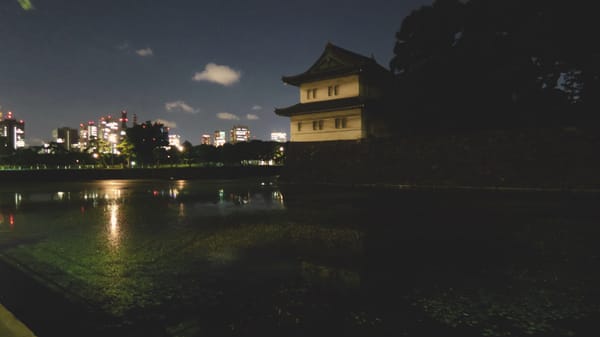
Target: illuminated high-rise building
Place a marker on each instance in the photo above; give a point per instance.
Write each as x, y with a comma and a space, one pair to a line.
220, 138
205, 139
175, 141
13, 130
109, 134
279, 137
83, 137
240, 134
92, 130
88, 136
123, 127
66, 137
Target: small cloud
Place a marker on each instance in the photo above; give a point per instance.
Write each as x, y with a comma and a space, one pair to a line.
220, 74
180, 106
227, 116
123, 46
144, 52
252, 117
257, 107
169, 124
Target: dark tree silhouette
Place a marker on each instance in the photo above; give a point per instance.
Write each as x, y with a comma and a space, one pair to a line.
5, 149
148, 139
186, 153
491, 63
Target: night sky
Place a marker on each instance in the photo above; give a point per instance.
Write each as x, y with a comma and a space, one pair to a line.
196, 66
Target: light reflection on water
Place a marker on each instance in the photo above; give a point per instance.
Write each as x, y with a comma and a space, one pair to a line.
112, 195
114, 232
123, 244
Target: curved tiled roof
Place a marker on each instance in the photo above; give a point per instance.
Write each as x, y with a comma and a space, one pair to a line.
336, 62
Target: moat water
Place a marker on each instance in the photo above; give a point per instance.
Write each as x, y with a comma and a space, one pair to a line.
253, 257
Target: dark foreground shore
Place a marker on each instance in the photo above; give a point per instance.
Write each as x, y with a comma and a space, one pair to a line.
48, 312
174, 173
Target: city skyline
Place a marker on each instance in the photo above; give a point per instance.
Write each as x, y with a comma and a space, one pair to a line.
194, 67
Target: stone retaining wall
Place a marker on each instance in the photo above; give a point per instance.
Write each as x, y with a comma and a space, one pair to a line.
549, 158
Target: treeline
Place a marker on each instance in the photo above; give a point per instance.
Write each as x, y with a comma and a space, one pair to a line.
255, 152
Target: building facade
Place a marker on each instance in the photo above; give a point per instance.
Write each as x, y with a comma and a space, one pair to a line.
67, 138
343, 96
88, 136
104, 136
205, 139
123, 125
240, 134
12, 130
279, 137
175, 141
220, 138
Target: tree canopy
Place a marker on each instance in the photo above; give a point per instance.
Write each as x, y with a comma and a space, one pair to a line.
490, 63
147, 138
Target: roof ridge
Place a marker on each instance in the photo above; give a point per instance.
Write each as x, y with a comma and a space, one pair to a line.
347, 51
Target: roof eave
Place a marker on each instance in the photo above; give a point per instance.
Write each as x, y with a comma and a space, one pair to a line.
299, 79
283, 112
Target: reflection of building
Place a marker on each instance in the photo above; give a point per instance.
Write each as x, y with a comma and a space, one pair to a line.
205, 140
66, 137
220, 139
240, 134
341, 98
13, 131
279, 137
